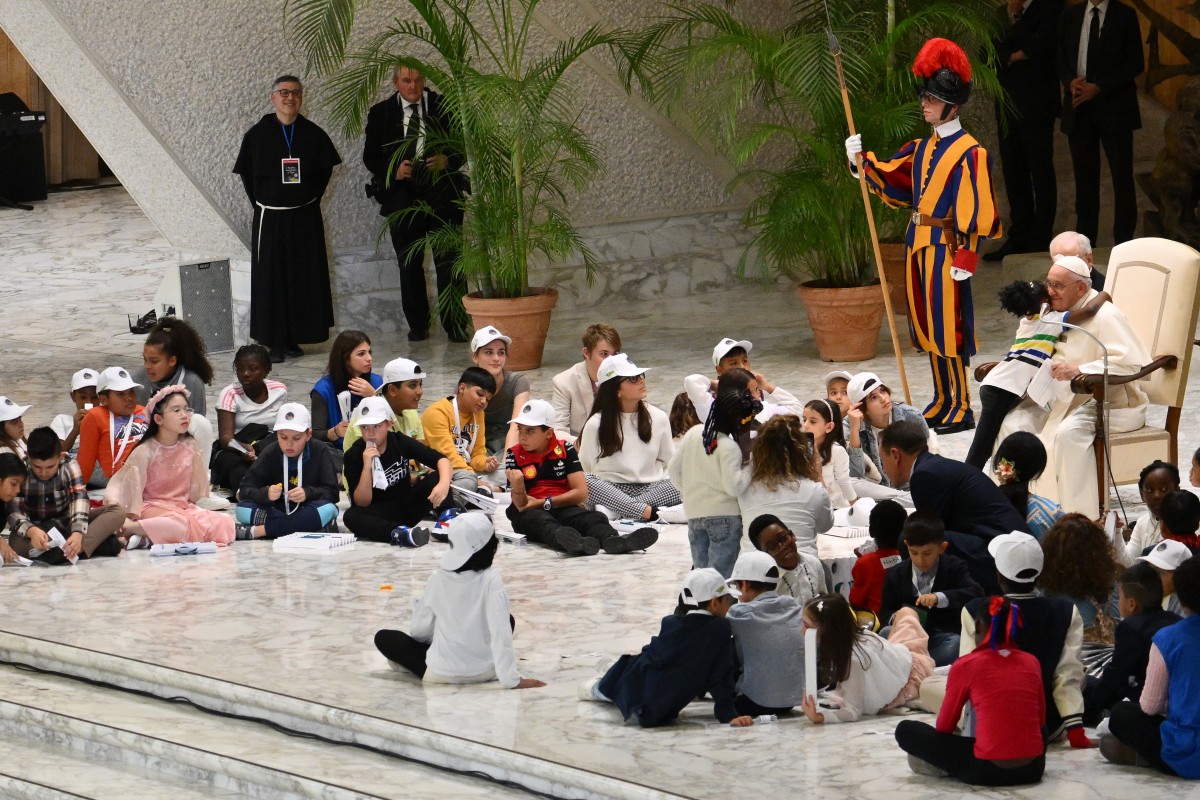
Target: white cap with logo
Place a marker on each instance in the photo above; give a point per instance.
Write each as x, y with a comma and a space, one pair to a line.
756, 566
1168, 555
535, 412
618, 365
85, 377
725, 345
10, 410
372, 411
702, 585
486, 335
861, 386
116, 379
292, 417
399, 370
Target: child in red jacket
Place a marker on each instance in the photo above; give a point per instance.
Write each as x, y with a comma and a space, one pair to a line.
885, 524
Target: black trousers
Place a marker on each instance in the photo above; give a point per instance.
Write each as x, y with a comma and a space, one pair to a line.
376, 521
1027, 161
956, 755
1085, 141
227, 468
994, 406
748, 708
414, 296
541, 527
1140, 731
406, 651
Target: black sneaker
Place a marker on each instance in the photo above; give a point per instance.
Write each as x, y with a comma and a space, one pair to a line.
569, 541
640, 539
590, 546
242, 532
404, 536
278, 356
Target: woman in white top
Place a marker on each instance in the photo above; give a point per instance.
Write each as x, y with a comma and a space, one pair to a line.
786, 482
626, 445
823, 419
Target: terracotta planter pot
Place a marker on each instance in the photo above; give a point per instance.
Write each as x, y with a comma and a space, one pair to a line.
894, 262
525, 319
845, 322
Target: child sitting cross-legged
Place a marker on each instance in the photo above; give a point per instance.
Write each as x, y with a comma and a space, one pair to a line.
12, 428
1156, 480
292, 485
1004, 687
1162, 728
768, 638
403, 386
385, 500
110, 431
549, 489
12, 480
692, 654
885, 524
454, 426
937, 585
801, 576
1139, 599
1166, 557
55, 497
1180, 516
461, 630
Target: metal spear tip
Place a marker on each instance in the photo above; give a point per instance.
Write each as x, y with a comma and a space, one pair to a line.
835, 46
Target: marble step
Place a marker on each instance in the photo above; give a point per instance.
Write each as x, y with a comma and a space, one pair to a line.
65, 738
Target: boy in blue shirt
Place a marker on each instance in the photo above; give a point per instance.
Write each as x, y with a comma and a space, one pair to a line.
768, 638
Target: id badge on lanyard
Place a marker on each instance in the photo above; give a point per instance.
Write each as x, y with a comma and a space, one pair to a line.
289, 168
287, 502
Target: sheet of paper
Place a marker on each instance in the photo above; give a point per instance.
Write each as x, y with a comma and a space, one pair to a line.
810, 663
1042, 389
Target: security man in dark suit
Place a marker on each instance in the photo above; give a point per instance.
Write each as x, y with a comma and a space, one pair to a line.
1026, 54
414, 160
1099, 59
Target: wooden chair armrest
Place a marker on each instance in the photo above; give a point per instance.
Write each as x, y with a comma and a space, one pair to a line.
1090, 383
982, 370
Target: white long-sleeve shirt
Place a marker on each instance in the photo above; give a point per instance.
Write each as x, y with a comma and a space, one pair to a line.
709, 484
636, 461
803, 506
879, 669
836, 475
780, 401
465, 617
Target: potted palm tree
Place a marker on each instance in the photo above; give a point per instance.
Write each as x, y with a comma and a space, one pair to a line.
517, 113
769, 95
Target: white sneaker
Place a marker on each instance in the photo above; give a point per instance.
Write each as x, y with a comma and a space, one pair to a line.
588, 690
673, 514
608, 512
213, 503
137, 542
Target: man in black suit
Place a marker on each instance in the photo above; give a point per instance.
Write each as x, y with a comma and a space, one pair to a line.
423, 181
1026, 54
1099, 58
971, 506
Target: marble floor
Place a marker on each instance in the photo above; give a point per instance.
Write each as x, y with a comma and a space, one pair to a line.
298, 628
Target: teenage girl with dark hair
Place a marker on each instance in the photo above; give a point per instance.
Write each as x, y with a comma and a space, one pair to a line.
175, 354
347, 380
1019, 460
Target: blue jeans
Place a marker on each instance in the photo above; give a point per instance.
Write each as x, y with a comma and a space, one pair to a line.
943, 648
715, 542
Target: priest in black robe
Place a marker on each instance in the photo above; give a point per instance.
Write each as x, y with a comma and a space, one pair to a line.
285, 162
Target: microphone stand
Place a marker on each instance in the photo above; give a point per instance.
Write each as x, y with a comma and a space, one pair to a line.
1101, 410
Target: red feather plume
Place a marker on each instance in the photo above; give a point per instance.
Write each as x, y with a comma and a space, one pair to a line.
938, 53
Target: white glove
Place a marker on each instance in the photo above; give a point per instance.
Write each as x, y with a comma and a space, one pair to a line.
853, 147
959, 274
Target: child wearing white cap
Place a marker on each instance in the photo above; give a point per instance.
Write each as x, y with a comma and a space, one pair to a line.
461, 629
403, 386
489, 351
692, 654
83, 395
871, 410
383, 495
12, 428
768, 636
626, 445
1165, 557
735, 354
292, 485
246, 412
110, 431
549, 491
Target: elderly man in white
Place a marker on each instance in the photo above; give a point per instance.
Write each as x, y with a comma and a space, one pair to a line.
1068, 426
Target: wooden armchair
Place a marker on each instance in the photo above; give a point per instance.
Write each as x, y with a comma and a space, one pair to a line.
1156, 284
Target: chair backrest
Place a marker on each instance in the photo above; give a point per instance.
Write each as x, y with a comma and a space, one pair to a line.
1156, 285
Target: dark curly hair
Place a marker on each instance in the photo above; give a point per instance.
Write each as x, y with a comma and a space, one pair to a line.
1079, 559
1022, 298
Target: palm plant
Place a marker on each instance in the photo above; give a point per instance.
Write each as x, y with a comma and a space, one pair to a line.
769, 96
515, 109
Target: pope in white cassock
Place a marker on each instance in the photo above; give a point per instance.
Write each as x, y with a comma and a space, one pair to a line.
1068, 426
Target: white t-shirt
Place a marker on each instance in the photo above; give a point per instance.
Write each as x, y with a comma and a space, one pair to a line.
836, 475
803, 506
62, 426
636, 461
246, 411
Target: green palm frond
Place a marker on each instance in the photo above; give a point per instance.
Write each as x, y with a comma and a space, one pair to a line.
322, 29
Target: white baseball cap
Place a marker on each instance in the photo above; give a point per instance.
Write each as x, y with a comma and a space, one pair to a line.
836, 375
10, 410
469, 532
399, 370
116, 379
618, 365
371, 411
1018, 556
485, 335
1074, 264
702, 585
536, 412
292, 417
727, 344
861, 386
1168, 554
754, 565
85, 377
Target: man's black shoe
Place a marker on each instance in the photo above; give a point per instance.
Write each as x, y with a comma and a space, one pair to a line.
418, 336
293, 351
947, 428
278, 356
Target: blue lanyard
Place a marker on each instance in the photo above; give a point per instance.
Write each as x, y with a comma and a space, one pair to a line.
288, 138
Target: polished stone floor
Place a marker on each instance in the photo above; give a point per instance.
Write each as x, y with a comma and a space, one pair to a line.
302, 625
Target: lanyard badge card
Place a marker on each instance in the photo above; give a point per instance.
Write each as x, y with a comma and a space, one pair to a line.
290, 167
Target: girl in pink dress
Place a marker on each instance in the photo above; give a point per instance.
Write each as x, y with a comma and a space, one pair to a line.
163, 477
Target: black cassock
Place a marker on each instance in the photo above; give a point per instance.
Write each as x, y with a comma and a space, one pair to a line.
290, 300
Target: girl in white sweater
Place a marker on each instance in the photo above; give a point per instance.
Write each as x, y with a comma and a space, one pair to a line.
823, 419
870, 673
785, 481
626, 444
461, 631
709, 467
